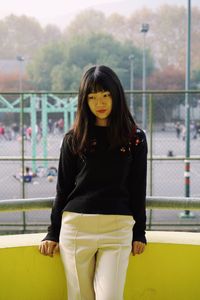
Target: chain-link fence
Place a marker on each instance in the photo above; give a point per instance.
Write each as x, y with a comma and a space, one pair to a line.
31, 131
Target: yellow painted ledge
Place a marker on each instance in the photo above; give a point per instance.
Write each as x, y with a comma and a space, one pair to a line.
168, 269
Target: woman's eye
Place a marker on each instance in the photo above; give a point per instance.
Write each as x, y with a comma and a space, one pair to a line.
90, 97
106, 95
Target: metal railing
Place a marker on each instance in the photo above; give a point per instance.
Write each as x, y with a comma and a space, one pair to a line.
163, 203
30, 204
20, 106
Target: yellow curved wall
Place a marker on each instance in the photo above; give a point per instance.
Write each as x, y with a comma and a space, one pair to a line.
169, 269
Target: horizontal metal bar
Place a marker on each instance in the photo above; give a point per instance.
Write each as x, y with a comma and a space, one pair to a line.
26, 204
50, 93
7, 158
154, 92
186, 203
174, 224
157, 158
174, 158
152, 202
21, 225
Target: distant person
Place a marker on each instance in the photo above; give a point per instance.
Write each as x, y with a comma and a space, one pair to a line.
28, 133
193, 129
61, 125
50, 125
98, 216
23, 132
198, 128
183, 131
8, 133
2, 132
178, 129
15, 130
26, 177
38, 131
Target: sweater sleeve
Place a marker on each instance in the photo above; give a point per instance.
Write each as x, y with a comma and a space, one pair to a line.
65, 184
138, 186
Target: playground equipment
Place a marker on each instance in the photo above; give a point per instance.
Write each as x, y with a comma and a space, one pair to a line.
45, 103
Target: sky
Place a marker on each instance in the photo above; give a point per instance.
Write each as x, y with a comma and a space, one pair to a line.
60, 12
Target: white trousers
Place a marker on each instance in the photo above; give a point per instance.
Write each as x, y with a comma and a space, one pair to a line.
95, 252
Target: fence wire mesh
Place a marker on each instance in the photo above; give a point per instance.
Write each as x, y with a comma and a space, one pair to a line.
31, 131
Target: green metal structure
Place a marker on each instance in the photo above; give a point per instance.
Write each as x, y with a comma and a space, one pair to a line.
46, 103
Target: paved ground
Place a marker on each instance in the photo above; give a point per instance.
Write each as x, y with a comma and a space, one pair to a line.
168, 180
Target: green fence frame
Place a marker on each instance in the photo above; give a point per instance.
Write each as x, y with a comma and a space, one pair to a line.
71, 107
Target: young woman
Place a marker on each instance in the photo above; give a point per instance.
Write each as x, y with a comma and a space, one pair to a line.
98, 216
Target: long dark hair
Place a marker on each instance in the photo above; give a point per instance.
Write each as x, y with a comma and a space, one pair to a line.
120, 121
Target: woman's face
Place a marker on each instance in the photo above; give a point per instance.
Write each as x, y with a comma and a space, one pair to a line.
100, 104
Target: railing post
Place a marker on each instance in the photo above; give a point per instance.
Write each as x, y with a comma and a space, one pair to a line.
22, 155
150, 155
44, 128
187, 213
33, 133
66, 115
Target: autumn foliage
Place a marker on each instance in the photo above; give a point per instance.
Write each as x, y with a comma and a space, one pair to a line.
10, 82
169, 78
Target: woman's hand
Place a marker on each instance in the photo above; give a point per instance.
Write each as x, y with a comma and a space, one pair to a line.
48, 248
138, 247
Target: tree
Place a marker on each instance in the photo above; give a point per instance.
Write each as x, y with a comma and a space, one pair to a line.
168, 39
52, 34
86, 23
117, 25
97, 49
19, 35
195, 81
195, 85
65, 77
165, 41
168, 79
22, 35
43, 63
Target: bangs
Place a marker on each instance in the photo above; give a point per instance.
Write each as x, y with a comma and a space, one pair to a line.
98, 83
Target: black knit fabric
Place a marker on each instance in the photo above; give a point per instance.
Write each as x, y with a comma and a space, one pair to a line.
102, 181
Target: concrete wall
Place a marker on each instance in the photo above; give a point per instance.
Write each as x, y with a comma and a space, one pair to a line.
169, 269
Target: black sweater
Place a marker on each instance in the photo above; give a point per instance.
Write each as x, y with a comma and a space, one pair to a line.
102, 182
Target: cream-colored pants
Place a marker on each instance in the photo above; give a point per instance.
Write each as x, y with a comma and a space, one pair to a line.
95, 252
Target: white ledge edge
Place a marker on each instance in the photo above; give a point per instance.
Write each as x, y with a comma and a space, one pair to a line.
159, 237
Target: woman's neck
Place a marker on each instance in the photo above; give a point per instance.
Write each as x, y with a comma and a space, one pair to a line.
101, 122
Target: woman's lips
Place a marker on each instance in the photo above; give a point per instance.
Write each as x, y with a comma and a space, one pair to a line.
101, 110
